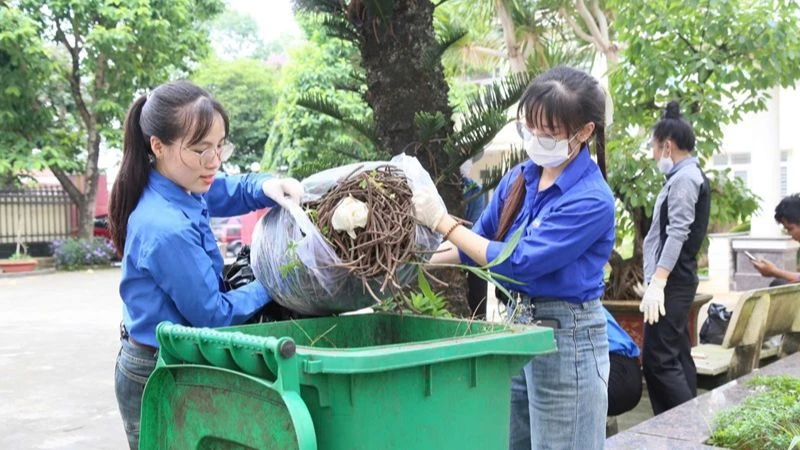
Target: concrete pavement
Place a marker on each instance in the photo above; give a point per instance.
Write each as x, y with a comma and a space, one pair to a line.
59, 337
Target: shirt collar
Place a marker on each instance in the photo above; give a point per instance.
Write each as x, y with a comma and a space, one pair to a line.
568, 177
682, 164
194, 205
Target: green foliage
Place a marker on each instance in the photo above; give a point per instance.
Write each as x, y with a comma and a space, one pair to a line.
769, 419
308, 141
32, 101
73, 253
247, 90
718, 69
236, 36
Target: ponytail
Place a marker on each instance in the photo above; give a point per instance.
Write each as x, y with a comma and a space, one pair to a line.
132, 177
511, 207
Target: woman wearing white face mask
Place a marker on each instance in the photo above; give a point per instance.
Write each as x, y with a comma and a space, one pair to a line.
566, 210
680, 220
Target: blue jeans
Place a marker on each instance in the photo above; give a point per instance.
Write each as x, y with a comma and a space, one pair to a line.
134, 366
560, 400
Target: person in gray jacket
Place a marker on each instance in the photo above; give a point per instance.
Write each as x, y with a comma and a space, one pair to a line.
680, 222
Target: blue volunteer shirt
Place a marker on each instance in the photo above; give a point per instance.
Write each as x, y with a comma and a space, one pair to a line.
569, 232
171, 266
618, 340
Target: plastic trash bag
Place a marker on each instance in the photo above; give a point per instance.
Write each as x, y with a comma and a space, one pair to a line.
715, 325
292, 259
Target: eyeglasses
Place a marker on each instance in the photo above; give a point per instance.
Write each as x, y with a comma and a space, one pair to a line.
207, 156
547, 141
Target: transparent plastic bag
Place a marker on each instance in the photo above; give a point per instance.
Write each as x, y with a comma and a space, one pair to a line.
292, 259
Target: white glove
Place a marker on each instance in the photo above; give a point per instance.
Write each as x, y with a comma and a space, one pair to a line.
283, 190
429, 207
652, 304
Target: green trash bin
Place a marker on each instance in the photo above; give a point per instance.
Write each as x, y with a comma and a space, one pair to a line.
376, 381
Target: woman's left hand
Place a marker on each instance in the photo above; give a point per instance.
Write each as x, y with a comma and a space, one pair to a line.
283, 190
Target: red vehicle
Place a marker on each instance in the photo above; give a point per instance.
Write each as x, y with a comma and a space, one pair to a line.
101, 227
229, 233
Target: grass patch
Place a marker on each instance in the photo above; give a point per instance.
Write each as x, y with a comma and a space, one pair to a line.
770, 419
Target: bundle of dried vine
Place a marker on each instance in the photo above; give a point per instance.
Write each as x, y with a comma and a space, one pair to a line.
388, 239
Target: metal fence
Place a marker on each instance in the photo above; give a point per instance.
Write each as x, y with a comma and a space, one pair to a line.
38, 214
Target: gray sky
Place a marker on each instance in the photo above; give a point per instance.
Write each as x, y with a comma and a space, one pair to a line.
274, 17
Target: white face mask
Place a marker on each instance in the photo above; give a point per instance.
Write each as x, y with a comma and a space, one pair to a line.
546, 151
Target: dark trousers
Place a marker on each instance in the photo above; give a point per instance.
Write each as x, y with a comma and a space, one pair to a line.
476, 296
667, 355
624, 384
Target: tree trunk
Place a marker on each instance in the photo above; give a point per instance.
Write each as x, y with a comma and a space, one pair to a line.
402, 81
90, 178
515, 57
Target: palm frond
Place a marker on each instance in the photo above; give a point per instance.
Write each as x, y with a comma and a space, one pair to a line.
322, 105
337, 26
448, 36
492, 175
429, 125
320, 6
485, 117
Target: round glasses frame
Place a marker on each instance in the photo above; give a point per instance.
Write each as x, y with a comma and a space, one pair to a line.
206, 157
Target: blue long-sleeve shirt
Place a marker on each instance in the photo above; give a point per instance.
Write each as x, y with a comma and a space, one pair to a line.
171, 266
568, 237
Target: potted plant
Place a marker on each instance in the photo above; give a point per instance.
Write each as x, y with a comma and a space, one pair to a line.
19, 261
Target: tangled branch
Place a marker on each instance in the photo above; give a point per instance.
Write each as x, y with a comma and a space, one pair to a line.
389, 238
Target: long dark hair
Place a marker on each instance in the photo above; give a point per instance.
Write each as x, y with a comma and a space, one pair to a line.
673, 126
562, 97
169, 113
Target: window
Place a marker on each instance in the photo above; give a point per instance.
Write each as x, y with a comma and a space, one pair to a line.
784, 155
720, 160
784, 181
741, 174
740, 158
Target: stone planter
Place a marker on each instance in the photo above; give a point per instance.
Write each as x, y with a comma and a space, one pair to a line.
17, 265
631, 320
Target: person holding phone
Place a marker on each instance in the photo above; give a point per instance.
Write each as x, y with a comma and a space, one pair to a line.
680, 222
787, 213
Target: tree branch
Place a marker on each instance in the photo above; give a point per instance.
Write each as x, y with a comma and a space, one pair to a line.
74, 76
590, 23
601, 19
74, 193
577, 28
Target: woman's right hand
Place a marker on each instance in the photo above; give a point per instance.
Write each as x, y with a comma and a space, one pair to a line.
429, 207
283, 190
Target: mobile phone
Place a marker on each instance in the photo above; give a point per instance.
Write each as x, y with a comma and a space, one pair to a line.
750, 256
549, 323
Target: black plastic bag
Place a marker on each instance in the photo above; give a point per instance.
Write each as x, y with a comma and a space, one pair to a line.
715, 325
239, 274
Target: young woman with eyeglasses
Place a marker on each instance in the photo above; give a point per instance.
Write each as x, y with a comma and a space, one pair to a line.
165, 192
565, 207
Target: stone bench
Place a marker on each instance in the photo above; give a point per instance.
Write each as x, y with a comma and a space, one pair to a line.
759, 315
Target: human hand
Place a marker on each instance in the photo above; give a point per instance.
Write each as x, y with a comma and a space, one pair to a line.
429, 207
283, 190
652, 304
764, 267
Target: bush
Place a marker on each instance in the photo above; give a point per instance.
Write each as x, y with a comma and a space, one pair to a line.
770, 419
75, 253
